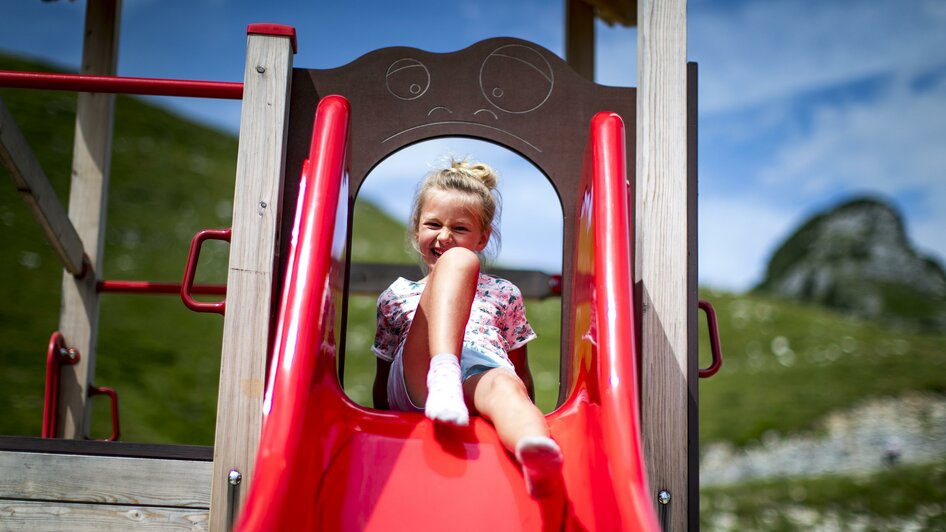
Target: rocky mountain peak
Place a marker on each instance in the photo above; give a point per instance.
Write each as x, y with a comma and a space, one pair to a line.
858, 259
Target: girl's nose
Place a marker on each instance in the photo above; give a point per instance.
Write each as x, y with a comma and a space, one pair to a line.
443, 235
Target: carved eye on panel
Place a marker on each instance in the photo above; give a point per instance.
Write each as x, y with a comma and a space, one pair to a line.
516, 79
407, 79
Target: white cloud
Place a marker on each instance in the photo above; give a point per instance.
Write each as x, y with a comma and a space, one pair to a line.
891, 145
765, 51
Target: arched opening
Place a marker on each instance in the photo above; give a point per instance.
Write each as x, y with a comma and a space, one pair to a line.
531, 226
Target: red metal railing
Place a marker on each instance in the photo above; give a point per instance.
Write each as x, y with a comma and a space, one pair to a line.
227, 90
715, 348
148, 287
187, 288
113, 396
57, 355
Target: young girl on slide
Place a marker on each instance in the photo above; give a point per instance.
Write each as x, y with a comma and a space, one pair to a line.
455, 340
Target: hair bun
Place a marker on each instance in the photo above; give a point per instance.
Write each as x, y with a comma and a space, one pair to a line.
480, 171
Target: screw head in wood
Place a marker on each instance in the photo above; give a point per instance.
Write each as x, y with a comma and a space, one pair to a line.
663, 497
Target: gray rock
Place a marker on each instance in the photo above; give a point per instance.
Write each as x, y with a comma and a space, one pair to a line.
856, 258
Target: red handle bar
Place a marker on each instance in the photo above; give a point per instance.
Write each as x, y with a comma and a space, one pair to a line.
190, 271
714, 340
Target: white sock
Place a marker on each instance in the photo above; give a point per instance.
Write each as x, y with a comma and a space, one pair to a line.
541, 459
445, 391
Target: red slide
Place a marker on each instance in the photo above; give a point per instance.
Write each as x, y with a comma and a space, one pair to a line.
325, 463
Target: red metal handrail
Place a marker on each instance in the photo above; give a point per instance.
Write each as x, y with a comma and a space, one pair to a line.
190, 271
227, 90
715, 348
57, 355
149, 287
113, 395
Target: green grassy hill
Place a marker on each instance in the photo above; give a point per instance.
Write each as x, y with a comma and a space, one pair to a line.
787, 365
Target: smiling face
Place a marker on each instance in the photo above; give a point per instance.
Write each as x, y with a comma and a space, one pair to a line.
448, 219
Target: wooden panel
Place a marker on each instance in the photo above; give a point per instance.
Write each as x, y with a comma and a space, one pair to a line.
662, 242
580, 37
53, 516
107, 448
105, 479
34, 187
78, 319
250, 280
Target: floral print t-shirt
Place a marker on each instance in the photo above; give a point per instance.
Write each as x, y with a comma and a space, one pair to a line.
497, 318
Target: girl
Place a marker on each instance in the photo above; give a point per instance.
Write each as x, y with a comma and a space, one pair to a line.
455, 340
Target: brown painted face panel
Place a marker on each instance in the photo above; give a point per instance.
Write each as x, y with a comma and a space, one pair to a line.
507, 91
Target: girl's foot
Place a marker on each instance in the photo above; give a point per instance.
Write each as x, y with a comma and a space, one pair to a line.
541, 460
445, 392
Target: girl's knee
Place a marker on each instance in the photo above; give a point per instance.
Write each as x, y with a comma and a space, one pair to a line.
501, 384
460, 259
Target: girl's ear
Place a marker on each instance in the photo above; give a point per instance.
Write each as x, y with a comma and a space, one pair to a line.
484, 239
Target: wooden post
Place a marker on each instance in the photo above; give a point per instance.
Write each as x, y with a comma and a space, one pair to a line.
33, 185
580, 37
252, 271
92, 155
662, 247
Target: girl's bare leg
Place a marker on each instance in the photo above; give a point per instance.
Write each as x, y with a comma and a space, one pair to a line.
437, 329
500, 396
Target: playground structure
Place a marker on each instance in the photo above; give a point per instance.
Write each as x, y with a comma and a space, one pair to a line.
599, 421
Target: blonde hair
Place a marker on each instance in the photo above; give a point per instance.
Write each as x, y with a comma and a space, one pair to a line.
478, 182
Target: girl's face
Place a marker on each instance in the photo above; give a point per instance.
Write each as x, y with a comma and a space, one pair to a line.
447, 221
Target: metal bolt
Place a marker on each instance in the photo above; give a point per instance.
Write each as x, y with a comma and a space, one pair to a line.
235, 477
663, 497
260, 69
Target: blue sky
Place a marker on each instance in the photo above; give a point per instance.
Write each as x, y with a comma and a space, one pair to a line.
803, 103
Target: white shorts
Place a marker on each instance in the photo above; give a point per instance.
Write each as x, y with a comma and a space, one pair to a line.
472, 363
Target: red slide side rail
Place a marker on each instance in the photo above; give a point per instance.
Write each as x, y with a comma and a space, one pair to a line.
224, 90
306, 313
614, 311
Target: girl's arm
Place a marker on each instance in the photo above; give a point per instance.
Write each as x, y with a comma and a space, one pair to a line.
380, 389
520, 359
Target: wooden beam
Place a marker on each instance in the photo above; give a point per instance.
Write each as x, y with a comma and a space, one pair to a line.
662, 247
105, 479
78, 319
38, 193
77, 517
580, 37
252, 271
